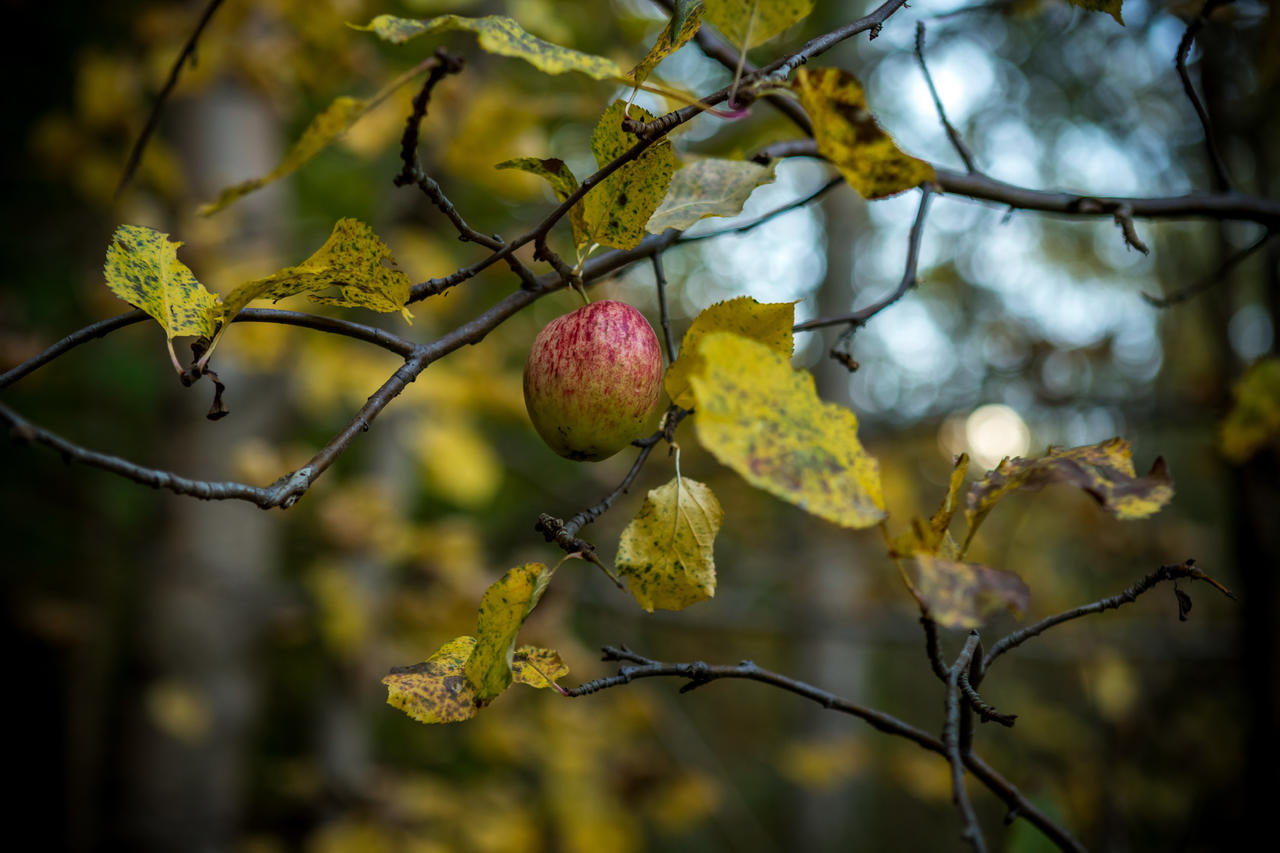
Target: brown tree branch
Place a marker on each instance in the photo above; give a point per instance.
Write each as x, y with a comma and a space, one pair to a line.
909, 280
697, 673
1164, 573
951, 739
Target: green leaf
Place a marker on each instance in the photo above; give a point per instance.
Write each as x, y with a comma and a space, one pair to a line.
1103, 470
767, 322
503, 36
334, 121
563, 184
615, 212
436, 690
354, 260
708, 188
1254, 419
143, 269
1111, 7
748, 23
963, 595
666, 550
505, 606
765, 421
686, 18
849, 137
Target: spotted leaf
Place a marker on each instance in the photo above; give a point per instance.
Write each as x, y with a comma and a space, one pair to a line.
143, 269
615, 212
500, 35
666, 551
686, 18
849, 137
764, 420
503, 610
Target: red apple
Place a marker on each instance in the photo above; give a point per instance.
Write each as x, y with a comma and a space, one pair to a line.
592, 380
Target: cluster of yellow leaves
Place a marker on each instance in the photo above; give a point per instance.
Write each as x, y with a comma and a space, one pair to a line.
468, 673
958, 594
142, 268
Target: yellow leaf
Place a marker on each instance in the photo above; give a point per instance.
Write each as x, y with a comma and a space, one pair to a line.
849, 137
503, 610
323, 130
686, 18
354, 260
1111, 7
1254, 419
1104, 471
436, 690
615, 212
666, 550
765, 421
748, 23
537, 667
963, 595
933, 537
501, 35
767, 322
143, 269
708, 188
563, 184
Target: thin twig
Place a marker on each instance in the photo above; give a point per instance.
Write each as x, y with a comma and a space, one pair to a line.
1213, 278
1164, 573
952, 134
951, 740
410, 169
664, 318
860, 317
188, 51
1123, 216
698, 673
1220, 180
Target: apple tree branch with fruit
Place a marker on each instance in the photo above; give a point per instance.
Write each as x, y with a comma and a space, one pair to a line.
595, 377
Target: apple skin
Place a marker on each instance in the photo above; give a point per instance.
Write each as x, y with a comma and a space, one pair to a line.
592, 380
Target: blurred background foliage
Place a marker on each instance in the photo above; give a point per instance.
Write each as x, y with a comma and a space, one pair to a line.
206, 677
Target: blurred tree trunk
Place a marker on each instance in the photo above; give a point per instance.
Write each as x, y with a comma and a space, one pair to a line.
209, 595
824, 818
1241, 98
